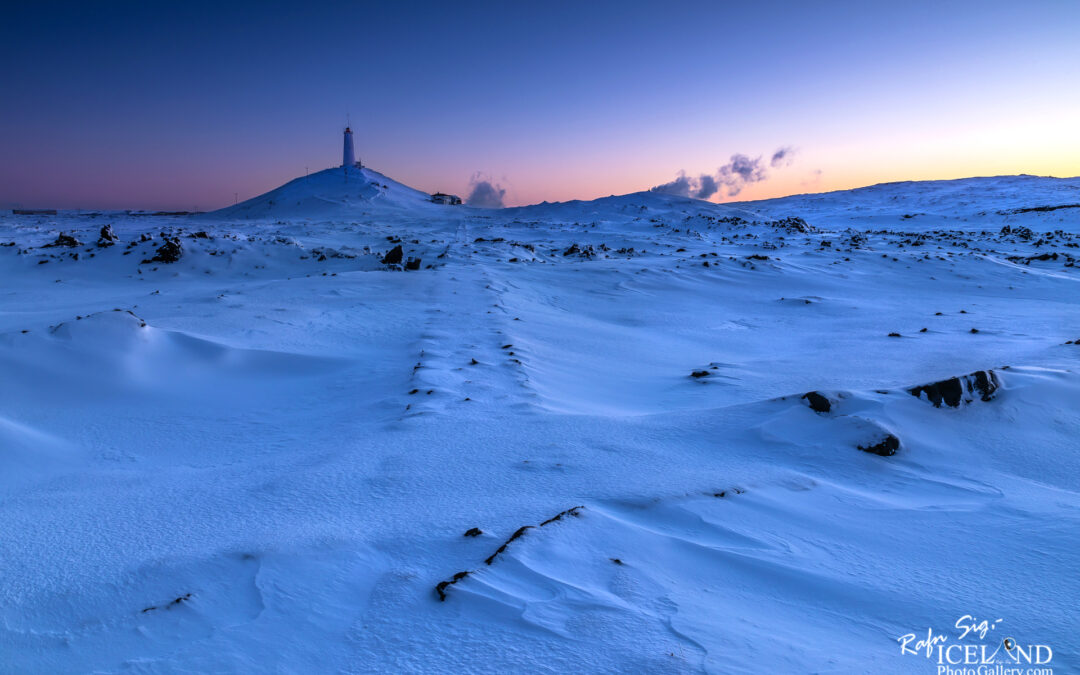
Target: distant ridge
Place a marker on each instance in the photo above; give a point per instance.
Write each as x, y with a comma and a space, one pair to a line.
341, 193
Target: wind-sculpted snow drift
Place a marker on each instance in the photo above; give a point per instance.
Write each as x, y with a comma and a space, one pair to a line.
262, 453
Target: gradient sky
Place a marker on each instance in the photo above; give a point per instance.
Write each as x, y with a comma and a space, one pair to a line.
182, 105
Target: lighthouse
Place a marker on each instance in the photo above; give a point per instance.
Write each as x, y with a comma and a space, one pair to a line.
349, 159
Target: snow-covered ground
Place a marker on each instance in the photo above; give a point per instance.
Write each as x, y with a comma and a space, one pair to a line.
264, 457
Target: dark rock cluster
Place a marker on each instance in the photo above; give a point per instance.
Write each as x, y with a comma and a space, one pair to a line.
956, 390
169, 252
64, 240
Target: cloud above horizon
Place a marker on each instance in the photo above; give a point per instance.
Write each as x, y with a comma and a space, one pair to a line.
484, 193
729, 179
782, 157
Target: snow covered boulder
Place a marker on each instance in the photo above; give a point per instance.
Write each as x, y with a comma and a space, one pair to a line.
956, 390
886, 447
107, 237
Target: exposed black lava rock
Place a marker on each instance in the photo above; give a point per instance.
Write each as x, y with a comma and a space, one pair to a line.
894, 335
885, 448
586, 251
699, 373
441, 587
64, 240
176, 601
792, 224
818, 403
413, 264
558, 516
107, 237
1044, 208
169, 252
394, 256
952, 391
1019, 232
517, 534
473, 532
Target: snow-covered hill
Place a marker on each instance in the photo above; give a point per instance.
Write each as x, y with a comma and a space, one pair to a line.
638, 434
1034, 201
339, 191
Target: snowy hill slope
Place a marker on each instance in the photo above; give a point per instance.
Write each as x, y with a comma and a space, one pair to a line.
964, 204
279, 453
331, 192
1032, 201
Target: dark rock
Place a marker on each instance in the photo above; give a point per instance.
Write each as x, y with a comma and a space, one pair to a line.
176, 601
951, 391
517, 534
107, 237
441, 587
894, 335
885, 448
792, 224
169, 252
985, 383
558, 516
413, 264
473, 532
583, 251
699, 373
394, 256
818, 403
64, 240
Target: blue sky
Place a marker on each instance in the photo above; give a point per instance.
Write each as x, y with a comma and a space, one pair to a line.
183, 105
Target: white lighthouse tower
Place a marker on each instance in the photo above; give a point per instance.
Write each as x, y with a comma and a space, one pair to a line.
349, 159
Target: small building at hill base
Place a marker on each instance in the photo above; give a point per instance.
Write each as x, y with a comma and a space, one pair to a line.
443, 198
